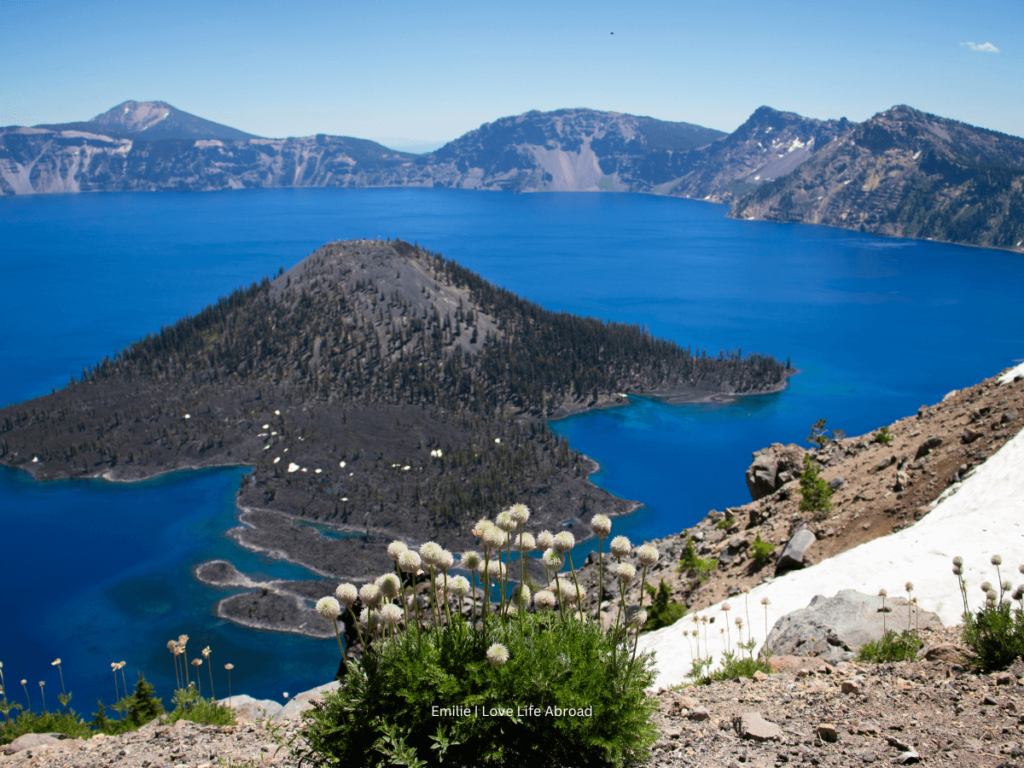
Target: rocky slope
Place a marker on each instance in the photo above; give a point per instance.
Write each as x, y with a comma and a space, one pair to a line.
908, 174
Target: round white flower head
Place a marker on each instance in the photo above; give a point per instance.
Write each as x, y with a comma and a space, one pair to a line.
370, 595
997, 560
446, 561
745, 589
544, 599
470, 560
229, 667
739, 621
601, 525
986, 586
545, 540
882, 593
505, 522
55, 663
1006, 586
389, 585
647, 554
440, 580
638, 619
459, 586
520, 513
564, 541
431, 553
495, 569
957, 570
625, 573
328, 608
620, 546
553, 560
525, 542
958, 561
396, 548
521, 596
391, 614
497, 654
909, 586
346, 594
409, 562
494, 538
726, 607
565, 590
369, 620
206, 652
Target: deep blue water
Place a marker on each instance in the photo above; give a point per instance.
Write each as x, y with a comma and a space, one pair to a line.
97, 573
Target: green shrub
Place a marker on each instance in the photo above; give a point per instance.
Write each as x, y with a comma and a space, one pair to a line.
894, 646
815, 493
68, 723
699, 566
762, 551
820, 437
882, 436
189, 705
662, 611
995, 636
732, 668
384, 713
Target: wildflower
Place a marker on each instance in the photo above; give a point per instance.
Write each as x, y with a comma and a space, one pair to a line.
328, 608
370, 594
647, 555
206, 652
739, 621
601, 525
1006, 586
546, 540
521, 596
638, 619
626, 573
496, 569
520, 513
564, 541
389, 585
431, 553
745, 589
481, 527
958, 562
459, 586
391, 614
765, 601
553, 560
957, 570
882, 593
55, 663
544, 599
1020, 568
986, 587
494, 538
346, 594
446, 560
505, 522
497, 655
726, 607
525, 542
396, 548
620, 546
997, 560
909, 586
409, 562
470, 560
197, 662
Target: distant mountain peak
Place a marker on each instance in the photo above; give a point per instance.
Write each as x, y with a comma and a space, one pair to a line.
160, 120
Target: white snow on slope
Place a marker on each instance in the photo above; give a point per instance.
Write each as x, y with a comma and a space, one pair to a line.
982, 517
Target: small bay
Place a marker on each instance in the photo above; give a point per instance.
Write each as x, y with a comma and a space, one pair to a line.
97, 572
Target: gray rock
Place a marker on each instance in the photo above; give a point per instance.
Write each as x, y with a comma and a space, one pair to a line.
836, 483
828, 732
304, 701
969, 435
908, 758
698, 714
773, 467
1010, 415
249, 710
29, 741
793, 554
927, 446
752, 726
833, 627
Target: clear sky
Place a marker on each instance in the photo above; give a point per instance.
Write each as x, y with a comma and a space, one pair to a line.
431, 71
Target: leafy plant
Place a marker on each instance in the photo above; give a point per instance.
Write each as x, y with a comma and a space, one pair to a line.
189, 705
663, 611
761, 551
815, 493
690, 562
882, 436
733, 667
995, 634
68, 723
403, 704
893, 646
820, 437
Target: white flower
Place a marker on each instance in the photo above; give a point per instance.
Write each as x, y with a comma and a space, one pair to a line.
521, 596
370, 594
446, 560
409, 562
494, 537
620, 546
470, 560
638, 619
553, 560
520, 513
391, 614
625, 573
525, 542
389, 585
396, 548
544, 599
505, 522
601, 525
497, 654
431, 553
647, 554
346, 594
328, 608
459, 586
545, 540
564, 541
495, 569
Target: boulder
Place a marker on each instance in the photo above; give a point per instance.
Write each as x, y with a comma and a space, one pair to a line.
752, 726
927, 446
249, 710
773, 467
836, 626
304, 701
795, 551
31, 741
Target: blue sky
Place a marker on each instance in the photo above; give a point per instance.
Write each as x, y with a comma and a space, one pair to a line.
430, 72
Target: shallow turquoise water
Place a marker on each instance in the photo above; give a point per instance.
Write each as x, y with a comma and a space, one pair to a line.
98, 572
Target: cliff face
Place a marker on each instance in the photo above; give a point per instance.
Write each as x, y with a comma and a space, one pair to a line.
908, 174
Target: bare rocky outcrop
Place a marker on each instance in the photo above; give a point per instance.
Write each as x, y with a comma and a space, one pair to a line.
773, 467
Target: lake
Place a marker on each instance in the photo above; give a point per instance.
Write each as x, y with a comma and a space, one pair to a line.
97, 573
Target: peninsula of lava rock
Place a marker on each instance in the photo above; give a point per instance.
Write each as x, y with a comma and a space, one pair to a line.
377, 391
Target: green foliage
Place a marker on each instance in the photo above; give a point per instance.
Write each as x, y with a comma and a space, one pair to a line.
820, 437
732, 668
700, 567
761, 551
882, 436
189, 705
662, 611
815, 493
894, 646
382, 714
144, 706
68, 723
995, 635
